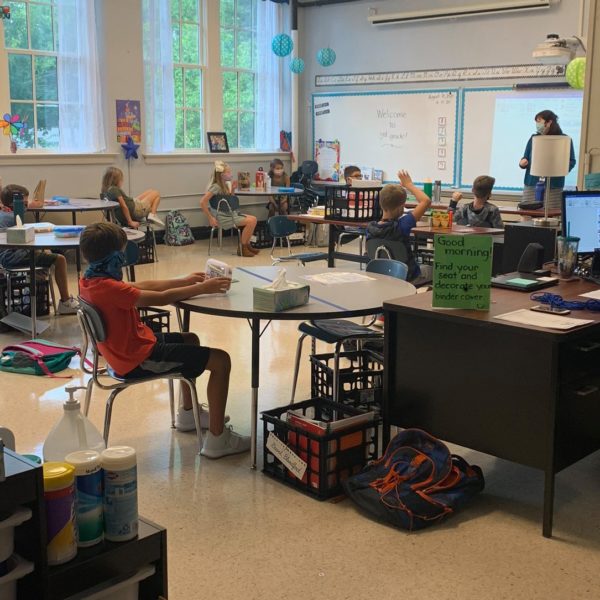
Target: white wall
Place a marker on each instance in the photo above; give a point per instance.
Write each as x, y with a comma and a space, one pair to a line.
181, 178
467, 42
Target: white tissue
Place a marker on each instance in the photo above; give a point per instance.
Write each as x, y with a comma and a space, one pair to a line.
18, 222
279, 283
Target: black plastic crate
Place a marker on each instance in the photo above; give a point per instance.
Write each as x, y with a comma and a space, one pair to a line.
21, 295
330, 456
352, 204
360, 375
158, 319
146, 250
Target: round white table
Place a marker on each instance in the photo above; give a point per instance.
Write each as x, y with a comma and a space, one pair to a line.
334, 301
271, 191
75, 205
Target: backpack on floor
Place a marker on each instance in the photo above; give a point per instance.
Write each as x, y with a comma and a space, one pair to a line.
416, 483
37, 357
177, 230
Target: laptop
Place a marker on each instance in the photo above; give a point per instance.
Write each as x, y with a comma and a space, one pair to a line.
523, 282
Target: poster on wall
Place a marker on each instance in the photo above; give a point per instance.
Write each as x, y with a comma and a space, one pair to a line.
327, 156
129, 121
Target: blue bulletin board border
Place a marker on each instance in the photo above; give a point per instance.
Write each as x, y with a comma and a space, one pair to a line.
457, 91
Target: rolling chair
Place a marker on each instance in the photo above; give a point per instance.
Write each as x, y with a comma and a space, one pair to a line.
225, 206
339, 331
94, 331
280, 228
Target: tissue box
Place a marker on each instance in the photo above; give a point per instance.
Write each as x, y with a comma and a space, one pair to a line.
270, 300
20, 235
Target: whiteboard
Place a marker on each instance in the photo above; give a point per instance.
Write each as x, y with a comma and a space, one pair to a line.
412, 130
497, 123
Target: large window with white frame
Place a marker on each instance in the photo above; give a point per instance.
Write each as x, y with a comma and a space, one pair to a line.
188, 72
31, 46
239, 71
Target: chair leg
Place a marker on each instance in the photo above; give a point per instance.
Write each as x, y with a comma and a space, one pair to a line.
360, 251
287, 239
52, 290
297, 366
196, 408
108, 413
154, 248
336, 372
273, 249
88, 396
220, 237
9, 298
172, 402
179, 319
210, 239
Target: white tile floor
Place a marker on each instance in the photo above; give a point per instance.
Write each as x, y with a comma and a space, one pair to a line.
234, 533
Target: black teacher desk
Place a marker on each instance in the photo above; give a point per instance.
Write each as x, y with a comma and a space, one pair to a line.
521, 393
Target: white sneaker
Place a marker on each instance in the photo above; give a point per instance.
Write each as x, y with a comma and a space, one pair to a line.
152, 217
185, 419
68, 307
229, 442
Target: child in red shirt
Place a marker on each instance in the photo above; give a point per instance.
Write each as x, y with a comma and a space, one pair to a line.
133, 350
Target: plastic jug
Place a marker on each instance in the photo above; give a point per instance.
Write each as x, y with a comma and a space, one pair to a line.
73, 432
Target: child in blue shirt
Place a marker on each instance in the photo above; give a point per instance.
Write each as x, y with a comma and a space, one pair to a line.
394, 224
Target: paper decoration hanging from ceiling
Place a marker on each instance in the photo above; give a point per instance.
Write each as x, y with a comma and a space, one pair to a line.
282, 44
297, 65
575, 74
326, 57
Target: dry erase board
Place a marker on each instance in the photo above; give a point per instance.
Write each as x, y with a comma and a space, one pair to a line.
413, 130
497, 123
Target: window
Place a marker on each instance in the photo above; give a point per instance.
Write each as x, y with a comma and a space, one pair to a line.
239, 65
188, 60
30, 41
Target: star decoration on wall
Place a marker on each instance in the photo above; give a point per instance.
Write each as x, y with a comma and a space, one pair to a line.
130, 148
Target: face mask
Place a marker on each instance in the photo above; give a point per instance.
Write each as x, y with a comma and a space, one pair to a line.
278, 173
540, 126
110, 266
226, 176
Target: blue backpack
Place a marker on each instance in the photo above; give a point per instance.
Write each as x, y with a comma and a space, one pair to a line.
416, 483
177, 230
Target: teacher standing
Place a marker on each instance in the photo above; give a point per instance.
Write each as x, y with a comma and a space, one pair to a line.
546, 123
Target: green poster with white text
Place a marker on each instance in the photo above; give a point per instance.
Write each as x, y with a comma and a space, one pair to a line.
462, 271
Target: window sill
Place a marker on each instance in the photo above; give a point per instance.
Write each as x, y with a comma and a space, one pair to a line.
207, 157
31, 159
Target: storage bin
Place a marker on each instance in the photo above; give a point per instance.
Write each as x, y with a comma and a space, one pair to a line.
331, 456
158, 319
146, 249
352, 203
126, 589
21, 295
17, 569
7, 532
360, 375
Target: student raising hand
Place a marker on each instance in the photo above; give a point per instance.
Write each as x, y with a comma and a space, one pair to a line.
405, 179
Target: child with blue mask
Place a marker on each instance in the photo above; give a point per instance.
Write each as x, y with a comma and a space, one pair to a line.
133, 350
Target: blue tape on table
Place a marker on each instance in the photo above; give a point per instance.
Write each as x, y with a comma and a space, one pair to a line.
61, 199
286, 189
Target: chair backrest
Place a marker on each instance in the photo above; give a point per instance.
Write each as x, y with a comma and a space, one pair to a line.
280, 226
224, 204
387, 266
309, 168
395, 249
93, 321
298, 186
132, 253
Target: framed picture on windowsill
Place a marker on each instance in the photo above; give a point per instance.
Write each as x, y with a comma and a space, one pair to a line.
217, 141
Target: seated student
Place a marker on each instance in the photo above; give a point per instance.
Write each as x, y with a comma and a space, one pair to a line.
131, 210
480, 212
16, 257
278, 205
133, 350
394, 224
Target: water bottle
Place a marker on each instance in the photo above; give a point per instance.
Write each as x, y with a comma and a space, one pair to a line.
427, 187
19, 206
437, 192
540, 188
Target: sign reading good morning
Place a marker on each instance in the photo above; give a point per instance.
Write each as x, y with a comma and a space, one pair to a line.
462, 271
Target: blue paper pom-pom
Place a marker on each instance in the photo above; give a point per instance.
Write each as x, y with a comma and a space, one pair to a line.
297, 65
282, 44
326, 57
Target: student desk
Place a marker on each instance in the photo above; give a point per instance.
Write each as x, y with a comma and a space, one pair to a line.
428, 231
505, 210
521, 393
75, 205
338, 301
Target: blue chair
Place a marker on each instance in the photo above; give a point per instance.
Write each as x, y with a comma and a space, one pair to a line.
339, 331
225, 206
132, 254
280, 228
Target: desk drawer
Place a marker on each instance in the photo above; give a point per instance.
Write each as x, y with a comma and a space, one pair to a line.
580, 359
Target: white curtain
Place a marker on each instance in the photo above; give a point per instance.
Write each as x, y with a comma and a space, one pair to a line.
81, 117
158, 76
268, 88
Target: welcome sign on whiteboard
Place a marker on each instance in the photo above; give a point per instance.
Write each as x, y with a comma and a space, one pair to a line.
413, 130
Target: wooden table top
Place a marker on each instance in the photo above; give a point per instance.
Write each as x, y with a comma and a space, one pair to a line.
324, 221
428, 230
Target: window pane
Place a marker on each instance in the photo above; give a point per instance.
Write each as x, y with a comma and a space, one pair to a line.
230, 125
244, 13
47, 125
193, 90
193, 129
25, 110
175, 12
247, 91
46, 86
227, 49
179, 141
190, 46
40, 22
189, 10
176, 35
227, 11
178, 84
21, 85
244, 50
230, 92
247, 130
15, 28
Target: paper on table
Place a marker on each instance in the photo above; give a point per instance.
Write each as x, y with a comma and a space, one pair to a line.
548, 321
595, 295
336, 278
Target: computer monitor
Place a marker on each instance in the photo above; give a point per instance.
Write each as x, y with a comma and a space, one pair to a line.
581, 218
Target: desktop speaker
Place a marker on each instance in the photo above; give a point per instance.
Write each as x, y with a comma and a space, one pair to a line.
532, 258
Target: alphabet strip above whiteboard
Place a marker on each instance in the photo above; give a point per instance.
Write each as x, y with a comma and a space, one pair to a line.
460, 74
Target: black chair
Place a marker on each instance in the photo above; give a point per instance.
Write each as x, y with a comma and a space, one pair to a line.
225, 206
393, 249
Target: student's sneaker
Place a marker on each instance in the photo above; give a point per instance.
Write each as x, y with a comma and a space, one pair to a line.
185, 419
229, 442
152, 217
68, 307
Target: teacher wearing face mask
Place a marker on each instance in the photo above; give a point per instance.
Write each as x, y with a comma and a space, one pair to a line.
546, 123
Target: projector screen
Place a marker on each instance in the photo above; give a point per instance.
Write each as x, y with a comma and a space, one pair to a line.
497, 124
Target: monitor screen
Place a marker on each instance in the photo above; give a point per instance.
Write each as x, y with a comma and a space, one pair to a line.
581, 218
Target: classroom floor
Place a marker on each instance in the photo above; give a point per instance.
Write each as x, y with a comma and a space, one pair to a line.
234, 533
